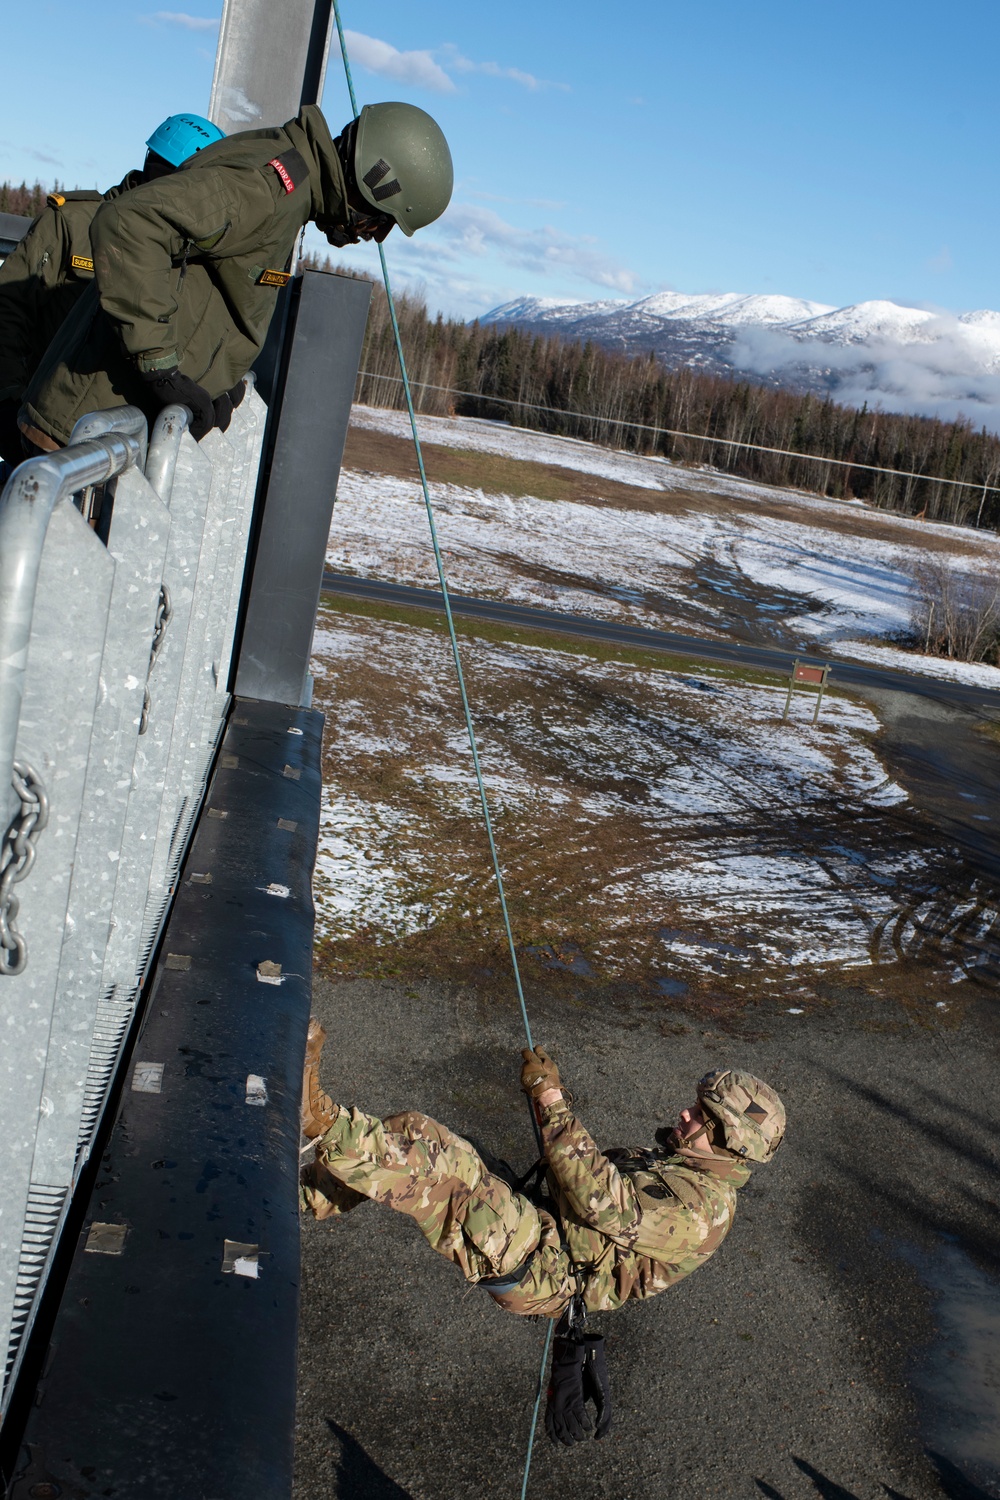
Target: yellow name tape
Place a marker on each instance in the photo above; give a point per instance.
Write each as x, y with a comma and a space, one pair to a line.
273, 278
81, 263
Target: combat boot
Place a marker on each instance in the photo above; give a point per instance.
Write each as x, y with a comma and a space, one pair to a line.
318, 1109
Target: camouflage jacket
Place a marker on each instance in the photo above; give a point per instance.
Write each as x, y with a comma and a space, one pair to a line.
42, 279
635, 1221
188, 270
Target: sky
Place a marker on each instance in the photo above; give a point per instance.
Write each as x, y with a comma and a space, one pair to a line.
837, 153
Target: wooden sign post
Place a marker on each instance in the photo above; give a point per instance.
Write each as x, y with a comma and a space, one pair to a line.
810, 674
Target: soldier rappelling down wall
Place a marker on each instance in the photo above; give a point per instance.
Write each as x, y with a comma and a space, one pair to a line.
621, 1225
43, 278
187, 269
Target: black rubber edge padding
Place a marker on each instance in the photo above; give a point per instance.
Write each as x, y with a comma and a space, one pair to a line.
165, 1376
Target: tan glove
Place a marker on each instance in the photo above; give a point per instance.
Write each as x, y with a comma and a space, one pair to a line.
538, 1072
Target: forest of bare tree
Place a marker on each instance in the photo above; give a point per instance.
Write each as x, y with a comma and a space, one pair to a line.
592, 393
27, 200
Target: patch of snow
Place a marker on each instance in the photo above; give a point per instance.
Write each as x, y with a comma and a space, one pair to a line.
975, 674
598, 746
865, 321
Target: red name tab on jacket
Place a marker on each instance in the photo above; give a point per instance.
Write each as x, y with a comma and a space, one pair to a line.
283, 172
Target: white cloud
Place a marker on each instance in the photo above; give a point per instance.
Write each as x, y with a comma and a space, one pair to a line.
942, 262
43, 156
480, 232
417, 69
952, 371
460, 64
420, 69
181, 18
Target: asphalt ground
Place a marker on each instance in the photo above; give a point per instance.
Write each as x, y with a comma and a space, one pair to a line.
843, 1342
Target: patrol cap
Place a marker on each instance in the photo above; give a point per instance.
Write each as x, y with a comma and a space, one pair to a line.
749, 1112
181, 136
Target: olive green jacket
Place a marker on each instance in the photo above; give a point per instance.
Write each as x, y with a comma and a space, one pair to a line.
187, 272
42, 279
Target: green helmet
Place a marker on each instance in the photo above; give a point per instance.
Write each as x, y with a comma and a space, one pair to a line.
402, 164
749, 1113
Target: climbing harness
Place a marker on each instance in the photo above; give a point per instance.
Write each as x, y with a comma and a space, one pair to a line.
466, 711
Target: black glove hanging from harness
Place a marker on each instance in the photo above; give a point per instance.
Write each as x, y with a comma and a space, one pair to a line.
579, 1374
567, 1420
596, 1386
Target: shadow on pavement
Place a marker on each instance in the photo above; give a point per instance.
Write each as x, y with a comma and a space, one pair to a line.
824, 1486
954, 1484
357, 1475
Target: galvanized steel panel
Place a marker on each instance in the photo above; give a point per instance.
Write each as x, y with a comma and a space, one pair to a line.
130, 932
61, 689
137, 542
270, 61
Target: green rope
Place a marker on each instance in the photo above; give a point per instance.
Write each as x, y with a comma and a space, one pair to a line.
538, 1403
469, 725
439, 561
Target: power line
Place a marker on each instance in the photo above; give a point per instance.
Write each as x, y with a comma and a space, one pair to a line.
699, 437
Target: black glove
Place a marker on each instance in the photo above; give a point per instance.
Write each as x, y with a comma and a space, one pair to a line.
596, 1386
567, 1420
227, 403
10, 433
170, 386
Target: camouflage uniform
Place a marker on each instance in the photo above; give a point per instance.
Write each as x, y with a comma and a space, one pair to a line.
633, 1222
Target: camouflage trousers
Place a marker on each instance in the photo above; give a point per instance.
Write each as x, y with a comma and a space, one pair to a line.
466, 1213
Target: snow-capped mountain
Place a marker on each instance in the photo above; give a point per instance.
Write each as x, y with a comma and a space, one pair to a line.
907, 358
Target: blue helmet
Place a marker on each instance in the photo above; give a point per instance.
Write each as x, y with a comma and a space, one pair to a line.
180, 136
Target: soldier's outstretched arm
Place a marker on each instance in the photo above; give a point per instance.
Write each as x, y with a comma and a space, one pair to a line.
680, 1227
140, 240
594, 1189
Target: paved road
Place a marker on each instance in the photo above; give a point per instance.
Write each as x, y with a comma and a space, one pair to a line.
847, 674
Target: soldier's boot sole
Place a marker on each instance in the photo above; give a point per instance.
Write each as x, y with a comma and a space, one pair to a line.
318, 1109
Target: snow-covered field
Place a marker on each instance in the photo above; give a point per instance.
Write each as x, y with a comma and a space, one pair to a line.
659, 826
830, 586
671, 826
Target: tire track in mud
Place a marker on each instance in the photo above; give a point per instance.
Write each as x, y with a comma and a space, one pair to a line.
943, 921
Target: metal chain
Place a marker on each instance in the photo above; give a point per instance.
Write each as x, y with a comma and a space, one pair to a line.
17, 855
164, 614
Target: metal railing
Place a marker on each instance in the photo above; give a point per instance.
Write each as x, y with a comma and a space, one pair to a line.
115, 648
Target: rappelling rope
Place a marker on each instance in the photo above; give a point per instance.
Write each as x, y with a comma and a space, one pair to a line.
439, 563
467, 712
